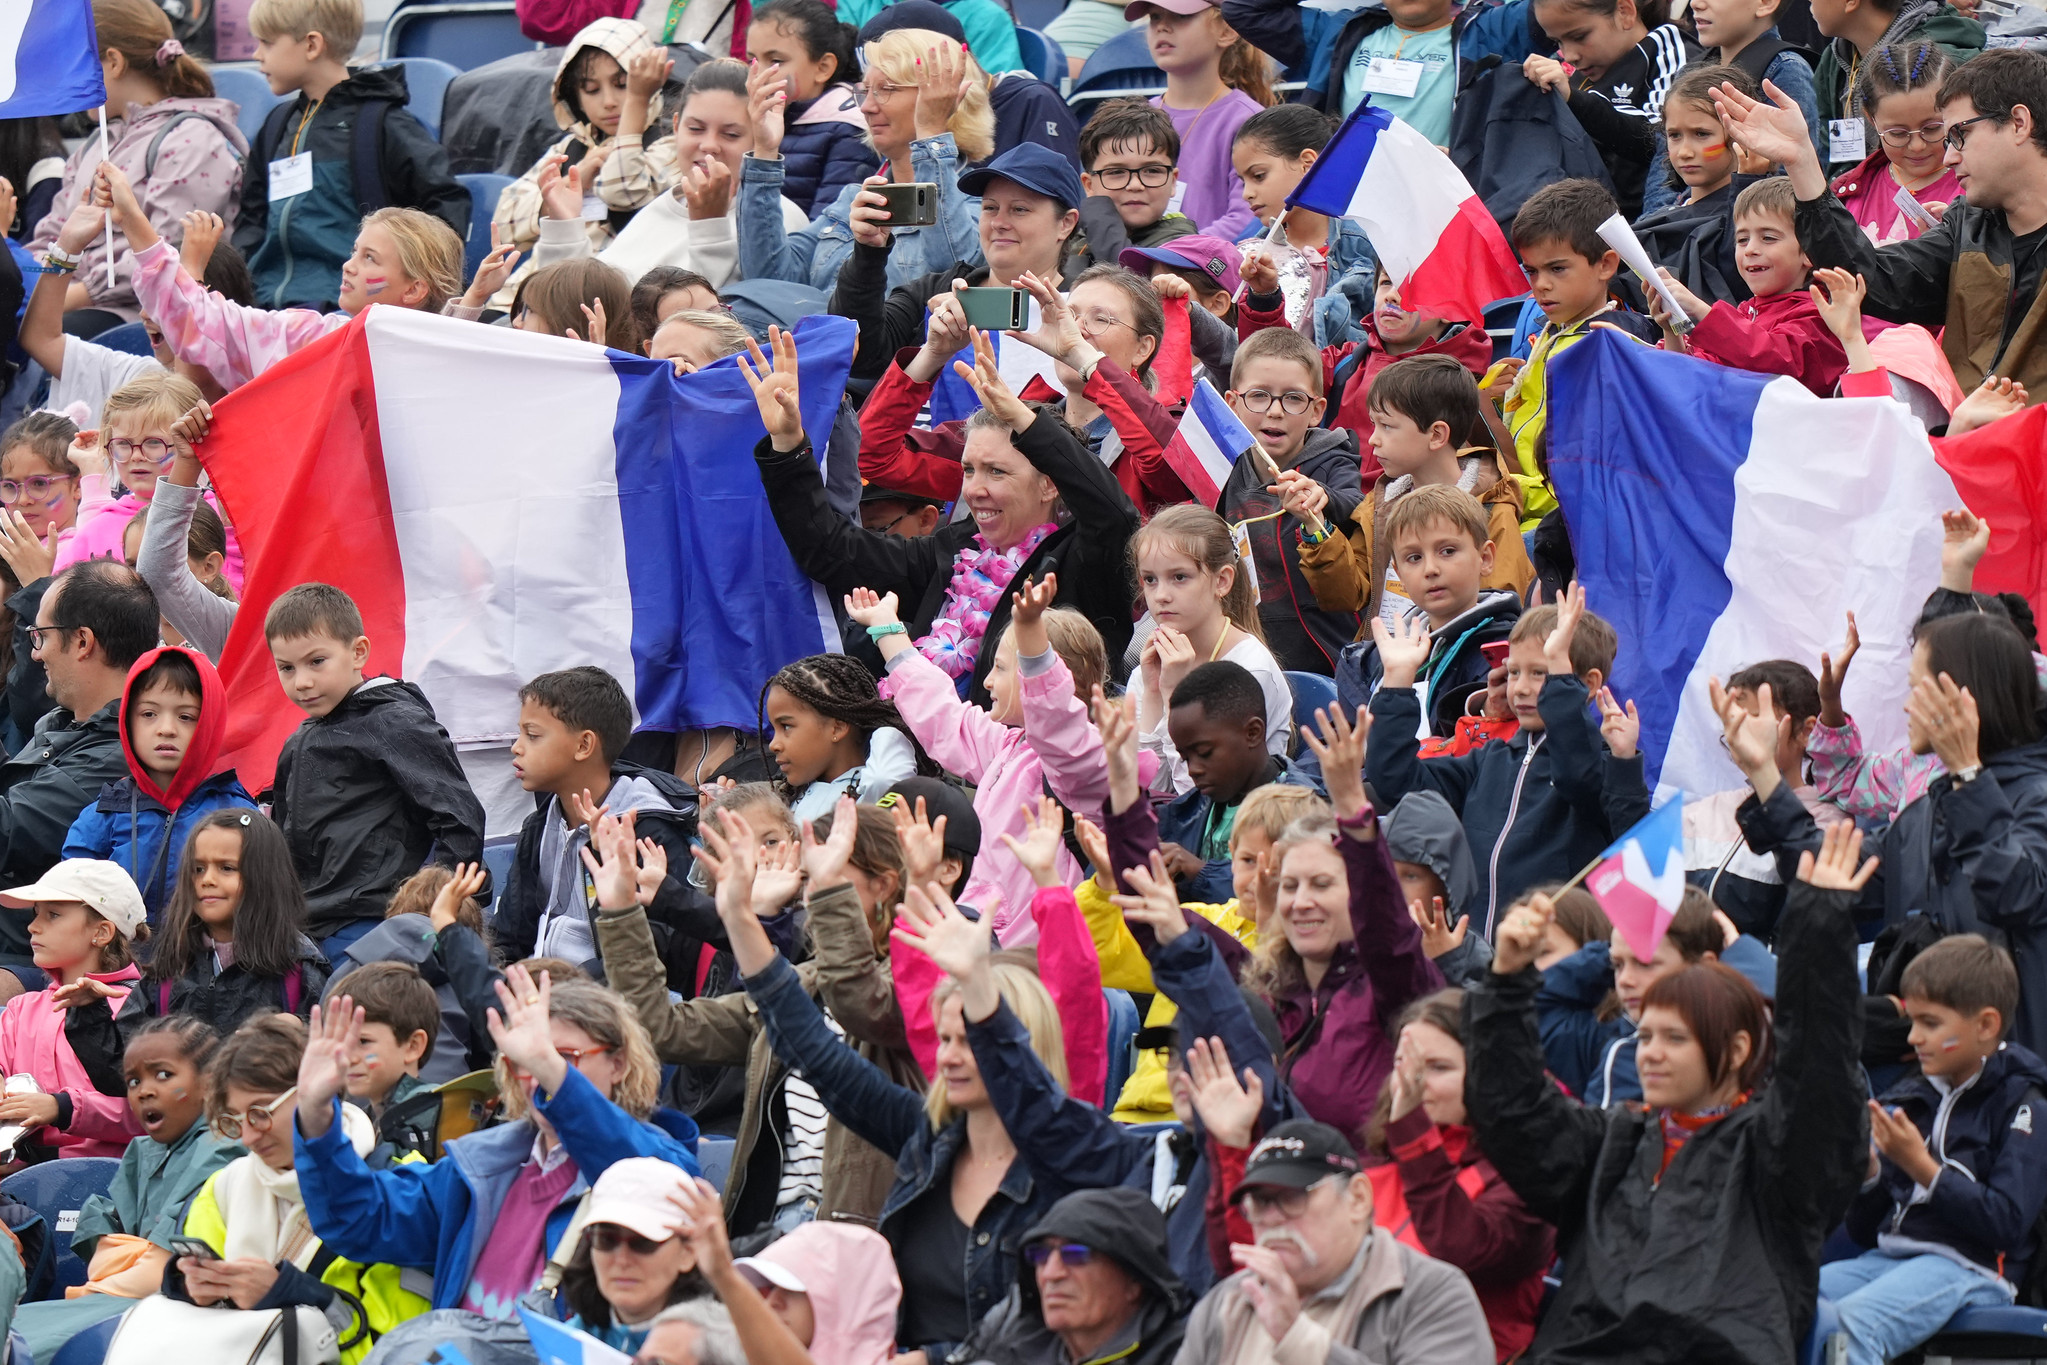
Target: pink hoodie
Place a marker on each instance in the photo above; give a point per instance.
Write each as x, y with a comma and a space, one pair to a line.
32, 1040
850, 1275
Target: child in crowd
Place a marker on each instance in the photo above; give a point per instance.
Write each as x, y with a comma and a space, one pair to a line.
1205, 270
205, 551
69, 1037
1322, 284
1405, 62
1570, 268
665, 291
1780, 329
1217, 728
174, 716
304, 187
810, 65
1854, 33
1440, 881
1129, 158
176, 141
1204, 607
1743, 884
403, 257
233, 942
1276, 389
1425, 426
369, 785
393, 1040
124, 1235
573, 727
1214, 81
572, 298
1957, 1172
1898, 91
435, 926
1443, 546
1034, 738
1693, 236
1540, 806
1614, 64
833, 734
610, 72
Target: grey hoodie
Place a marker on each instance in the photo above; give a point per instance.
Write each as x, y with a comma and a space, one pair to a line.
570, 894
1424, 829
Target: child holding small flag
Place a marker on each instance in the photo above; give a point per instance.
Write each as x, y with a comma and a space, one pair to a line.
1327, 298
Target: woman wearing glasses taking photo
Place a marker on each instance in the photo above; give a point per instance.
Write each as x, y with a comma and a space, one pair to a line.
578, 1079
252, 1214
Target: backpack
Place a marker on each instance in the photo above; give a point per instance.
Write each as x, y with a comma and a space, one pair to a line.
156, 143
366, 151
1510, 139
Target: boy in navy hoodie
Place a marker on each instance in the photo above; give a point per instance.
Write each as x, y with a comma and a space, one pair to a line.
1539, 806
1958, 1161
173, 717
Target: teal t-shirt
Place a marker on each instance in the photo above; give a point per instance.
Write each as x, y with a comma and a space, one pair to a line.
1427, 110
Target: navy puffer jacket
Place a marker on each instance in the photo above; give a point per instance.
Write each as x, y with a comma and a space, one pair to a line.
824, 148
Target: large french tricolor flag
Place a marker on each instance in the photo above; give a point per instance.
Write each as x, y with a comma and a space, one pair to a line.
1721, 518
1640, 879
501, 504
1431, 232
1207, 444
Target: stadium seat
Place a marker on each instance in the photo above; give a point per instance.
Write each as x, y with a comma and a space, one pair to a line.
57, 1190
498, 856
246, 86
714, 1157
1988, 1334
1824, 1344
1042, 56
465, 36
89, 1347
1036, 13
130, 338
1124, 1022
483, 202
1121, 66
426, 86
1311, 692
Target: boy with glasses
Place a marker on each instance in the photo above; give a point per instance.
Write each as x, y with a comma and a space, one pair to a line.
1130, 156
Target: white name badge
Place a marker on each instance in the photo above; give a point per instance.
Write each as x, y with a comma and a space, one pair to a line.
290, 176
1179, 197
1844, 140
1393, 76
595, 210
1909, 205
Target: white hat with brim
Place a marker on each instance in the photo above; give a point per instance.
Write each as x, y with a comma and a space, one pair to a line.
100, 886
765, 1273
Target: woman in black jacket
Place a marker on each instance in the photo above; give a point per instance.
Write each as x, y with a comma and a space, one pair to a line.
1021, 464
1740, 1162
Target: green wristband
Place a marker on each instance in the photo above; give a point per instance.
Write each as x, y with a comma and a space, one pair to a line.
892, 628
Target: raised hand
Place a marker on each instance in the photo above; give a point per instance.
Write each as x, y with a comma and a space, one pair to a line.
1519, 939
1834, 676
1752, 740
1156, 904
466, 882
1946, 715
522, 1031
778, 877
1996, 397
1406, 1080
1403, 649
1836, 868
646, 73
1621, 727
493, 270
653, 872
1095, 845
595, 327
190, 429
929, 922
1340, 747
993, 389
323, 1066
1058, 332
1027, 605
1556, 649
29, 558
727, 850
767, 104
923, 841
128, 214
825, 862
1439, 936
1964, 537
1771, 127
775, 388
943, 80
86, 221
202, 233
864, 608
1116, 720
561, 189
1038, 850
1228, 1108
1838, 294
612, 866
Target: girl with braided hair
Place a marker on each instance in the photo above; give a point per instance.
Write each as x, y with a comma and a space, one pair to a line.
833, 733
1897, 90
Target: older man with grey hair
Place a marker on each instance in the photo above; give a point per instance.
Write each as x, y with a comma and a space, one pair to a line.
694, 1332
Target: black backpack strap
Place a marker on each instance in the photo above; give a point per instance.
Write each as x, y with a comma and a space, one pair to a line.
270, 137
366, 159
1757, 56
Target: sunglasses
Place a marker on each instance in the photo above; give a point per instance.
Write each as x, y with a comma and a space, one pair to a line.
1070, 1253
610, 1237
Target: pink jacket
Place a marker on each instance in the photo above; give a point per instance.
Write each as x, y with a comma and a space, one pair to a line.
32, 1040
101, 530
202, 328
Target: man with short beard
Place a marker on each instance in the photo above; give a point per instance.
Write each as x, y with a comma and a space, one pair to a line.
1321, 1284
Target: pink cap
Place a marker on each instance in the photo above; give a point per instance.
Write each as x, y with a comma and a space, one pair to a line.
1136, 8
638, 1194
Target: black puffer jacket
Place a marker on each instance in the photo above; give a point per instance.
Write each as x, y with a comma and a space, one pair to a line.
1718, 1259
57, 774
366, 796
1090, 553
225, 998
1121, 1223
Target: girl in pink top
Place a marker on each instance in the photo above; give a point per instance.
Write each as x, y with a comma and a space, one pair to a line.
1897, 91
87, 913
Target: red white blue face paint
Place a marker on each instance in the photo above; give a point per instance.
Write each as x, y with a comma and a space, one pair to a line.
1950, 1044
374, 285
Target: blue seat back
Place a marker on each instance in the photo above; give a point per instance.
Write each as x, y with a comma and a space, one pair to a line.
57, 1190
466, 36
714, 1157
1123, 1025
426, 88
1042, 56
1036, 13
130, 338
251, 93
2004, 1332
1311, 692
89, 1347
1122, 63
484, 190
498, 855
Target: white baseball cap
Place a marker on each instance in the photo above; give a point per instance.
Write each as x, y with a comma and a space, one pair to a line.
100, 886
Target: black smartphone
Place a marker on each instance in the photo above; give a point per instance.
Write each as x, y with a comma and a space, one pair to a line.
194, 1247
914, 205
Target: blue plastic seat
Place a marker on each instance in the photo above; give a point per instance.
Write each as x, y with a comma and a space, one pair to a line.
1311, 691
2006, 1333
1042, 55
466, 36
130, 338
250, 91
1826, 1329
57, 1190
1036, 13
426, 88
714, 1157
484, 190
1123, 65
89, 1347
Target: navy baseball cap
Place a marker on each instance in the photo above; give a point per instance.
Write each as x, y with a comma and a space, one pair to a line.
922, 14
1033, 167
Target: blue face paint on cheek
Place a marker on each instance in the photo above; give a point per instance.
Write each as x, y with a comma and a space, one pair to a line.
374, 286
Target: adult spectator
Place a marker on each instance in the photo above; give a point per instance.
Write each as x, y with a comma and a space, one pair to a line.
634, 1259
1319, 1267
92, 622
1030, 209
1093, 1286
986, 26
698, 1332
1977, 275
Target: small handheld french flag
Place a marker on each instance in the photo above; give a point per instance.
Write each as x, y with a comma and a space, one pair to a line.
1641, 879
1207, 444
1431, 232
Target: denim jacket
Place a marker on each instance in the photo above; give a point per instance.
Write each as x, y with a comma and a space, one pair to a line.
1346, 300
814, 255
891, 1117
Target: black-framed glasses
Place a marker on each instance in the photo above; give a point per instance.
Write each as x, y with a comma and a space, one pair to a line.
1928, 133
1954, 136
37, 634
1152, 177
890, 524
37, 486
1293, 402
1070, 1253
257, 1117
156, 448
610, 1237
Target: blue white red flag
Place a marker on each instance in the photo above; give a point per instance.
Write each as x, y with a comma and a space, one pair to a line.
1209, 440
1641, 878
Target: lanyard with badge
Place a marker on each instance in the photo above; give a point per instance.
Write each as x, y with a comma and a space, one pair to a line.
1400, 78
292, 175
